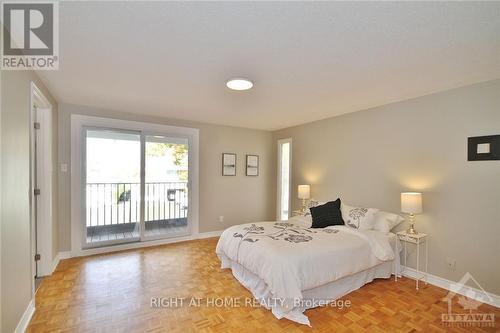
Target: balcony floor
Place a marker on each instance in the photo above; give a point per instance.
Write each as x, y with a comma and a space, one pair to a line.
130, 230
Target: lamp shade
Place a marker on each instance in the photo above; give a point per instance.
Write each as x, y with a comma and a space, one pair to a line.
304, 191
411, 202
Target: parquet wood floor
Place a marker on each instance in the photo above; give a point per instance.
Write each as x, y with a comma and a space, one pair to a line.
112, 293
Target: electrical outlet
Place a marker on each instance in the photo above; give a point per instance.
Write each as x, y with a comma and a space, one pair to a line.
221, 218
451, 263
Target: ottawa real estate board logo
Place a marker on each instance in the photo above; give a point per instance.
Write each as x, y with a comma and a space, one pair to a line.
470, 299
30, 35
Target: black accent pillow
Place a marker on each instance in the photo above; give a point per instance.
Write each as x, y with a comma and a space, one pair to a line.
327, 215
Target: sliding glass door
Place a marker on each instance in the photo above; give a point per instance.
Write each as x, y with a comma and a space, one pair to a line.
136, 186
166, 186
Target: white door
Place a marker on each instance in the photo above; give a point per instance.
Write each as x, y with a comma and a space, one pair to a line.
41, 164
284, 178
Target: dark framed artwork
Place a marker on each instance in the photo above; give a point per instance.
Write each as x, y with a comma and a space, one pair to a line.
228, 164
252, 165
483, 148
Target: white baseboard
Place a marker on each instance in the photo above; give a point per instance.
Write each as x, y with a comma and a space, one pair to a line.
60, 256
55, 262
137, 245
64, 255
210, 234
26, 317
454, 287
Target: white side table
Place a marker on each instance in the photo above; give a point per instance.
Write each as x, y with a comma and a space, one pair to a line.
417, 239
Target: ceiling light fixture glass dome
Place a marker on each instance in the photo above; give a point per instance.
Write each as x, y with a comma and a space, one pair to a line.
239, 84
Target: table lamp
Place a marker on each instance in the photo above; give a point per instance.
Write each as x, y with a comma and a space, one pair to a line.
411, 203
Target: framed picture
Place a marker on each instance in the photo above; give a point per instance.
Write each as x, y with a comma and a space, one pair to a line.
483, 148
228, 164
252, 165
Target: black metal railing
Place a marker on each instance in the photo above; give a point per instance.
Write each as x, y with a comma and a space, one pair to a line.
120, 203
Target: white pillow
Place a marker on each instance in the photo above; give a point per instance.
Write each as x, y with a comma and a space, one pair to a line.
358, 217
303, 221
384, 221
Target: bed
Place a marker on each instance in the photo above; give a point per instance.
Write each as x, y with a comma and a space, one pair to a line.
290, 267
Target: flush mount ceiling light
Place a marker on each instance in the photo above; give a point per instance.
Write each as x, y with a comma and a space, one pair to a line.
239, 84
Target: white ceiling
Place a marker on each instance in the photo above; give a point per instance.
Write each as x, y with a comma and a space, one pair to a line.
308, 60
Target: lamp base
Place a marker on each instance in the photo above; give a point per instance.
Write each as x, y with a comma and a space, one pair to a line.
411, 230
304, 206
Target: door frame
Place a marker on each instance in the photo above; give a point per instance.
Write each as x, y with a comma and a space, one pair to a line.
78, 123
41, 174
278, 182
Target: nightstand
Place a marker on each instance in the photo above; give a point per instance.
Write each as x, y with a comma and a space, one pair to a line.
417, 239
297, 213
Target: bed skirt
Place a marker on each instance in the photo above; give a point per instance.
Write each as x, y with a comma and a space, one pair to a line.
313, 297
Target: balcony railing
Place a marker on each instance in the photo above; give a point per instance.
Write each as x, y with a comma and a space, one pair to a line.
119, 203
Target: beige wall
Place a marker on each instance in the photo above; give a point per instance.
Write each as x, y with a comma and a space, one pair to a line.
367, 158
239, 199
16, 258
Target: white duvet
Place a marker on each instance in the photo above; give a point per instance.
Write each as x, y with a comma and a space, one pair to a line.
291, 258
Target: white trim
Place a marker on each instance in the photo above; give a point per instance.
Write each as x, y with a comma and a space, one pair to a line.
37, 93
60, 256
41, 234
64, 255
452, 286
137, 245
210, 234
278, 182
55, 262
26, 317
77, 124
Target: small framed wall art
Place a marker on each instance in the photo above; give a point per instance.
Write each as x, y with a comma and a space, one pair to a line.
252, 165
484, 148
228, 164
